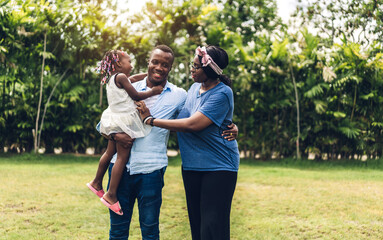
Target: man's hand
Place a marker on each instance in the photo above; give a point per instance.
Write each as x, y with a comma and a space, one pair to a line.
123, 139
232, 133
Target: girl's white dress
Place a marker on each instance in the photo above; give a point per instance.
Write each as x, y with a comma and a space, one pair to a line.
121, 114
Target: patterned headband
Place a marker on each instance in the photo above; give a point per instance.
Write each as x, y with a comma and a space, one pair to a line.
207, 60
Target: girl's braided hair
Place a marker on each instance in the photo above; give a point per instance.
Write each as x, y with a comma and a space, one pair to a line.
106, 65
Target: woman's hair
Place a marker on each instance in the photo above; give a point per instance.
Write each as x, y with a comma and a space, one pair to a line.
221, 58
106, 65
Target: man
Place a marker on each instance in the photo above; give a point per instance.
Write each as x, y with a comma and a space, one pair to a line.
143, 178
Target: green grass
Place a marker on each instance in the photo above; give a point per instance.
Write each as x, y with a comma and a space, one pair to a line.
45, 197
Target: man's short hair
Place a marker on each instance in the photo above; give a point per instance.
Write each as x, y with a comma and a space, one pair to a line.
165, 48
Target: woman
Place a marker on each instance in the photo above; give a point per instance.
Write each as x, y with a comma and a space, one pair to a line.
209, 161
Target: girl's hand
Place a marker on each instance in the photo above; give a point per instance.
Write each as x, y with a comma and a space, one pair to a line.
142, 109
232, 133
157, 89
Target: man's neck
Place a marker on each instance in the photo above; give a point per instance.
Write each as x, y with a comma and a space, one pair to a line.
151, 85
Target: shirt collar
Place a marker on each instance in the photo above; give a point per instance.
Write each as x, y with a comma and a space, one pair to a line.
144, 86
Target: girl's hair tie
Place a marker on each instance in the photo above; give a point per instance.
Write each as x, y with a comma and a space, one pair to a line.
106, 65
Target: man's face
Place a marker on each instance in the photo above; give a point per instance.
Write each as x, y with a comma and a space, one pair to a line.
160, 64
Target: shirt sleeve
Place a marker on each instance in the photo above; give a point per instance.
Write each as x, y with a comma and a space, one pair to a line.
98, 127
182, 101
216, 108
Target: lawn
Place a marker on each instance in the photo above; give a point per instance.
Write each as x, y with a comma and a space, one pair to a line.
45, 197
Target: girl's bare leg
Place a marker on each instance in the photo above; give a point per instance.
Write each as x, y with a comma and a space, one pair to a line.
103, 165
117, 171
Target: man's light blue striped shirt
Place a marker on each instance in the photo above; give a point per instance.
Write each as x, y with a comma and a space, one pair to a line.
149, 153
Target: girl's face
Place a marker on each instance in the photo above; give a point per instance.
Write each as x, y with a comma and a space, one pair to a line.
198, 74
125, 63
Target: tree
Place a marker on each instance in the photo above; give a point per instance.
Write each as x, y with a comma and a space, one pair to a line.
358, 21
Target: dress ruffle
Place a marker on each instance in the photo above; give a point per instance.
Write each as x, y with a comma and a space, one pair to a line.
121, 115
129, 123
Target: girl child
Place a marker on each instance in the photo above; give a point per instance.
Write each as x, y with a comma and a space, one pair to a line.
121, 116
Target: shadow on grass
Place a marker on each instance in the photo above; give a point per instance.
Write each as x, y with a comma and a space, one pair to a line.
30, 158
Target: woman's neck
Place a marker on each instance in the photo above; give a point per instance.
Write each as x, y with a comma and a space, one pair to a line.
209, 84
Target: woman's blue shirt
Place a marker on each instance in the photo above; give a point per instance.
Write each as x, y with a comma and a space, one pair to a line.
207, 150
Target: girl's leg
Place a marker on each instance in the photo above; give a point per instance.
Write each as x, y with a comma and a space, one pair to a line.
103, 165
117, 171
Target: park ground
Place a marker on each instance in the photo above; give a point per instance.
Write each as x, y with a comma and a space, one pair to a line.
45, 197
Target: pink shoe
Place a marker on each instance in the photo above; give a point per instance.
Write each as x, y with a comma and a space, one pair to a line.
116, 207
99, 193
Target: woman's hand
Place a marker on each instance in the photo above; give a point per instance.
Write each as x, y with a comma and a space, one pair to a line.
232, 133
142, 109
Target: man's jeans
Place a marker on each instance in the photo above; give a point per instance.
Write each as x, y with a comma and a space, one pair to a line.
147, 188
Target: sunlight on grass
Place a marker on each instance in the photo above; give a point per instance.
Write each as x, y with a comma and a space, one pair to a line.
45, 197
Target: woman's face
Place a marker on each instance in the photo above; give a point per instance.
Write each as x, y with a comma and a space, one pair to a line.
198, 74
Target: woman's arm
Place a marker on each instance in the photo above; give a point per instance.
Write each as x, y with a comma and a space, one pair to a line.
194, 123
122, 81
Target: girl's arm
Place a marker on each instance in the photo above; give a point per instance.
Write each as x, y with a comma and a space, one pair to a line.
194, 123
137, 77
122, 81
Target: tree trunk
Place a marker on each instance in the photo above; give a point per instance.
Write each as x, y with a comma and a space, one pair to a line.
46, 106
297, 104
101, 92
354, 104
244, 130
36, 132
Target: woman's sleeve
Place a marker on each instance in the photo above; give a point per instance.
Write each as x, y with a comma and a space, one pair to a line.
216, 108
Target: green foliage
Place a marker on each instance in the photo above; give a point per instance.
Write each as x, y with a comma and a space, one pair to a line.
339, 85
352, 20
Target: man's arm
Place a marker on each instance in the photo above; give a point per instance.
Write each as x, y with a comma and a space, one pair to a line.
124, 139
137, 77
